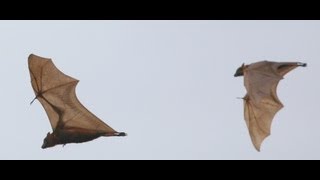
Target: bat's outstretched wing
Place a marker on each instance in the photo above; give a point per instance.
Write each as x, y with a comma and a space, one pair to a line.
261, 102
56, 93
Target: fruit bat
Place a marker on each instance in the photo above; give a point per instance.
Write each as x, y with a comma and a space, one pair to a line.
261, 102
70, 120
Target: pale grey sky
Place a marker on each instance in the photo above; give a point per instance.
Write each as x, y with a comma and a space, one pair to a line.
168, 84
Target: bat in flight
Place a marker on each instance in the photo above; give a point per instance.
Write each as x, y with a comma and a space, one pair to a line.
261, 102
70, 120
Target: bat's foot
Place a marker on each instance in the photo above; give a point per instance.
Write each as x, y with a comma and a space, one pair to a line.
121, 134
302, 64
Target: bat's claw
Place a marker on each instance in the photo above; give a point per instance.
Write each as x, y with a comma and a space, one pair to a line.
121, 134
302, 64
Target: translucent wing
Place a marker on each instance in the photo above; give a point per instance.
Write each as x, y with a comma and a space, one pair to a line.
56, 93
261, 102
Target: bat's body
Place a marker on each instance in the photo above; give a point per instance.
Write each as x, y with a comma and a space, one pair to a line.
74, 135
70, 120
261, 102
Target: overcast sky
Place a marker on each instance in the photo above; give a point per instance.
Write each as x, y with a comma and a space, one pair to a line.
168, 84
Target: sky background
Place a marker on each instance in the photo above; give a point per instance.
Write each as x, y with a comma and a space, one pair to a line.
168, 84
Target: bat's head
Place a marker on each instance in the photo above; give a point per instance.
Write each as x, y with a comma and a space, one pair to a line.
49, 141
239, 71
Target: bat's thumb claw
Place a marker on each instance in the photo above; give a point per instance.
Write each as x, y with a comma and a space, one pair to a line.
33, 100
244, 98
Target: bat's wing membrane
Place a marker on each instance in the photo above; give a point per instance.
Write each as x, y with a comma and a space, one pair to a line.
56, 93
261, 102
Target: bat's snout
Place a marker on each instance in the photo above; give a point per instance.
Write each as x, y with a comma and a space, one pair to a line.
239, 72
45, 144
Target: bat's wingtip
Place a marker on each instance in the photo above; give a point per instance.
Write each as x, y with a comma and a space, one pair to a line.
257, 148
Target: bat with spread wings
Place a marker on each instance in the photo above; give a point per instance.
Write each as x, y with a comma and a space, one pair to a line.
70, 120
261, 102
